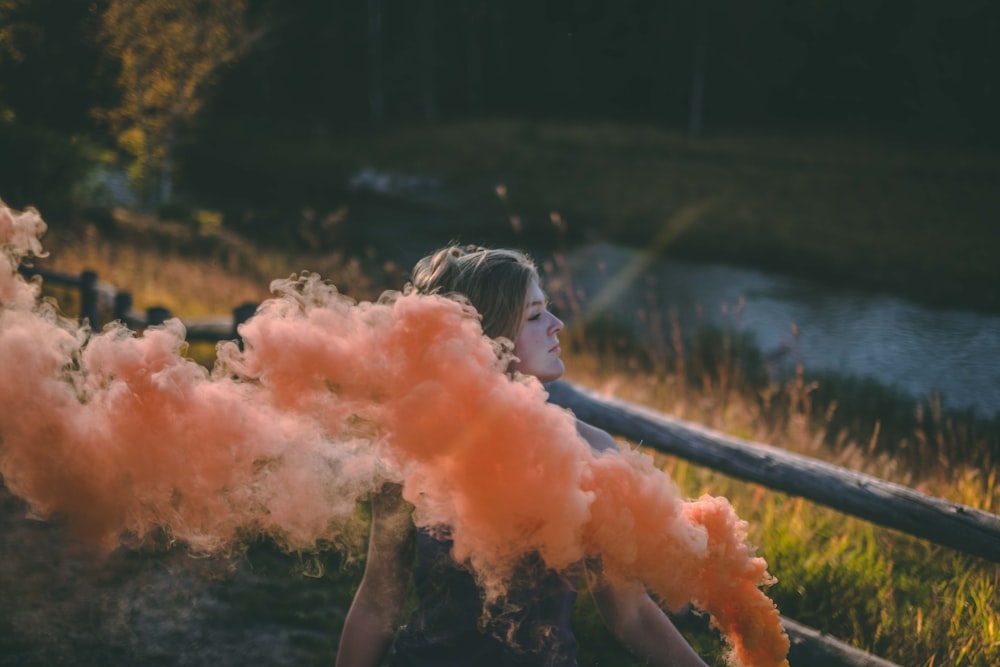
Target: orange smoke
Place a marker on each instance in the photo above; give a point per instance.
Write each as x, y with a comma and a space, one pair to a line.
328, 400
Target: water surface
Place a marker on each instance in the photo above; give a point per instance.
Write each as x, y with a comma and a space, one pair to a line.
919, 350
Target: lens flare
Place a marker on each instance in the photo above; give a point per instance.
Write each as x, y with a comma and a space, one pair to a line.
326, 401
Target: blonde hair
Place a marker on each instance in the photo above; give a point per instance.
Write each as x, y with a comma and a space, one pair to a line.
494, 281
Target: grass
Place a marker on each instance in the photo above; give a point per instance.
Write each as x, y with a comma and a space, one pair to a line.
903, 218
908, 601
903, 599
187, 270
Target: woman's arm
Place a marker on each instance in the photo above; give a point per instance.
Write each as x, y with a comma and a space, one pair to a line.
641, 625
627, 610
375, 613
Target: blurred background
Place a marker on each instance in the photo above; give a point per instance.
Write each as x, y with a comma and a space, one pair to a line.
832, 164
804, 194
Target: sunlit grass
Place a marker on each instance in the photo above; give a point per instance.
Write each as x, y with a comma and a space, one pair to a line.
904, 599
155, 265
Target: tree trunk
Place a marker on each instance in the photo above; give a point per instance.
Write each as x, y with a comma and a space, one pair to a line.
425, 24
696, 123
473, 11
499, 73
375, 94
167, 170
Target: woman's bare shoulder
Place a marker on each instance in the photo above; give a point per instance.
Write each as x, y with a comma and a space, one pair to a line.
598, 439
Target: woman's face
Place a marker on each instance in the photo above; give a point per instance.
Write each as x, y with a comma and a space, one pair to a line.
537, 346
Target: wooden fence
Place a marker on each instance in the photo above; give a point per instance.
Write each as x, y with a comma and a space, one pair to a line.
875, 500
892, 505
95, 297
895, 506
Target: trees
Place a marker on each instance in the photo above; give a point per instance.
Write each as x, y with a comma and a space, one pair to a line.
49, 82
150, 66
9, 31
9, 28
168, 52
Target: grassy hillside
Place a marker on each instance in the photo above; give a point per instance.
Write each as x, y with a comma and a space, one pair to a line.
871, 212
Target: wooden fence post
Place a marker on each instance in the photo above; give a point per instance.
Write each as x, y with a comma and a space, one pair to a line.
88, 299
157, 315
123, 307
241, 314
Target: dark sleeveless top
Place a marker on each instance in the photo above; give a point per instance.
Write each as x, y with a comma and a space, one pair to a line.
529, 626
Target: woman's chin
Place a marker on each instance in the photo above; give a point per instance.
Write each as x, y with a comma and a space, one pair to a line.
550, 372
553, 374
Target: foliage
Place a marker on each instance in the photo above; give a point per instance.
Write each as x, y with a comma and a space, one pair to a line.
169, 52
51, 69
48, 82
9, 29
922, 65
42, 166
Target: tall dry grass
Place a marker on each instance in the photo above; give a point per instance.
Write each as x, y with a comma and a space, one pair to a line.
909, 601
904, 599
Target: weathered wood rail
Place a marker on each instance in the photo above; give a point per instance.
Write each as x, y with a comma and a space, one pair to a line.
892, 505
96, 296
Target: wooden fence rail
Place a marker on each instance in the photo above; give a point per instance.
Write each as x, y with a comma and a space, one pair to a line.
957, 526
895, 506
96, 296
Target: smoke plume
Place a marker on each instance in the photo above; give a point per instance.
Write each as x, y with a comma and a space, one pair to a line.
327, 400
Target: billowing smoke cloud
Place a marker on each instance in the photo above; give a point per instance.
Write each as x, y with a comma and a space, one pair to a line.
327, 401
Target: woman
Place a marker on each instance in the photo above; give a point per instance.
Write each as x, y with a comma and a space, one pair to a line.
531, 625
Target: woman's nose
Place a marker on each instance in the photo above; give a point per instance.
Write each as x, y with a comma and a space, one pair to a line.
557, 325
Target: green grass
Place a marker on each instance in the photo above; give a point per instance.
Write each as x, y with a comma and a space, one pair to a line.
908, 219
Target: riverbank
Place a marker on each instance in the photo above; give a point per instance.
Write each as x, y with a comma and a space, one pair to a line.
872, 213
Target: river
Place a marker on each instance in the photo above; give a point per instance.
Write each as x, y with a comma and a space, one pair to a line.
918, 350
